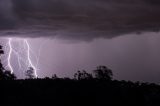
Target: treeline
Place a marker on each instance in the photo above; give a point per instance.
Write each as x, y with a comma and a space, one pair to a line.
77, 92
96, 89
102, 72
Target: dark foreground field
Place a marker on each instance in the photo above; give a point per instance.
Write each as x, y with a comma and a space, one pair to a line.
68, 92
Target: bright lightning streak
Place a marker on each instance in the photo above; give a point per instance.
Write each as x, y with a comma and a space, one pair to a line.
29, 58
23, 53
9, 55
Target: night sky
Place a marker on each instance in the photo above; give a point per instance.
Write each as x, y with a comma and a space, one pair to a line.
82, 34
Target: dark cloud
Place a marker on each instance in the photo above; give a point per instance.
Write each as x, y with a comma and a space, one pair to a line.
78, 19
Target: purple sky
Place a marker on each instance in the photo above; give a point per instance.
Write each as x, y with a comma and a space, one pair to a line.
82, 34
131, 57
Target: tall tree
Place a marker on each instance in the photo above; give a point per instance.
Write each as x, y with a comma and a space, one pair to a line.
30, 73
102, 72
81, 75
4, 74
1, 66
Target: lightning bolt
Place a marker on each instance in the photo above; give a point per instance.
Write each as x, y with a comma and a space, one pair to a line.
21, 50
29, 58
23, 55
9, 55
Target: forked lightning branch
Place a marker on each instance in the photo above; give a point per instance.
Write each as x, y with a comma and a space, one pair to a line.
22, 53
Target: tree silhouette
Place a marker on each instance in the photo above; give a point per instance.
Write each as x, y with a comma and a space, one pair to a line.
9, 76
30, 73
80, 75
102, 72
54, 76
1, 50
4, 74
1, 66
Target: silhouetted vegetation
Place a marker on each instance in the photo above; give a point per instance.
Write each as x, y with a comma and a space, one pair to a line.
5, 74
81, 75
97, 88
103, 73
30, 73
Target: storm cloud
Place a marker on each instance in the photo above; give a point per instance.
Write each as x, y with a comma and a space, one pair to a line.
78, 19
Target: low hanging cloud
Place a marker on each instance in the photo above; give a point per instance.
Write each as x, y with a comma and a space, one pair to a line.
78, 19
